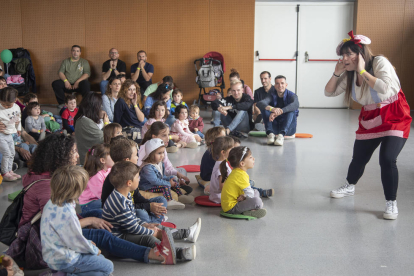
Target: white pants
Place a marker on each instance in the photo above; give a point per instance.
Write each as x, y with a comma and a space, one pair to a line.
7, 150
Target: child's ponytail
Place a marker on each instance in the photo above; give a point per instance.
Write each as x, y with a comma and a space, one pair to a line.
93, 157
223, 171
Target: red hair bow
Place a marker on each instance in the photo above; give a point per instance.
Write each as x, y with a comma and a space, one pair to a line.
353, 39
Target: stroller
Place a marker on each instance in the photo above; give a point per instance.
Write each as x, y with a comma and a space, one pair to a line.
21, 68
210, 74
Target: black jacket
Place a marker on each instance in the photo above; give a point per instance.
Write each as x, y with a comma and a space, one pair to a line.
245, 104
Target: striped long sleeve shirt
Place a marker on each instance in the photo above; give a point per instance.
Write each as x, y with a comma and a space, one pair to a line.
120, 212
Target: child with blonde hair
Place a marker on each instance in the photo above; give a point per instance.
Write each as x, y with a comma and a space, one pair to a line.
64, 248
237, 196
98, 164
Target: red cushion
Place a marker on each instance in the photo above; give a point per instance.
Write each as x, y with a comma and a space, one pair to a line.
191, 168
204, 201
168, 224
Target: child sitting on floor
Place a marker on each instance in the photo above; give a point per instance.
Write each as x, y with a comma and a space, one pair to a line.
98, 164
35, 124
149, 210
177, 100
207, 161
68, 114
221, 150
180, 128
158, 113
195, 122
237, 196
161, 131
110, 131
120, 212
153, 177
64, 248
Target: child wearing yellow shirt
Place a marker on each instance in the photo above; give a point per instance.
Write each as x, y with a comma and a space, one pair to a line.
237, 196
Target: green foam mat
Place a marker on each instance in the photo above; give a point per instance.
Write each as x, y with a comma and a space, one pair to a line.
257, 133
236, 216
12, 196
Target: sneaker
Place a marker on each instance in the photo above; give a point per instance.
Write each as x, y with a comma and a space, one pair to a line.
15, 175
166, 248
9, 177
279, 140
192, 145
290, 137
346, 190
207, 189
270, 139
259, 127
391, 210
238, 134
194, 231
165, 218
259, 213
268, 193
175, 205
186, 253
186, 199
172, 149
200, 181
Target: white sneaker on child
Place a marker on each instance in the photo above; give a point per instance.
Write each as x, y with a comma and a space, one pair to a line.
270, 139
15, 174
345, 190
279, 140
194, 231
174, 205
391, 210
8, 177
186, 253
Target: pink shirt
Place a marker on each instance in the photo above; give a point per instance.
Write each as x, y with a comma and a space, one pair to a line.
248, 91
148, 124
94, 189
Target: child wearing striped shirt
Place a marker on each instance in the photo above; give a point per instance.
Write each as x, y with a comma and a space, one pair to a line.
119, 210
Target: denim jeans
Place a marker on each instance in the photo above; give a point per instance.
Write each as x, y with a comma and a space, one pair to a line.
200, 134
240, 122
150, 217
170, 120
216, 118
90, 265
95, 204
103, 85
284, 124
96, 213
115, 246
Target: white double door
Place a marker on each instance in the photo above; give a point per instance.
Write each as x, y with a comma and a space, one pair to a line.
320, 27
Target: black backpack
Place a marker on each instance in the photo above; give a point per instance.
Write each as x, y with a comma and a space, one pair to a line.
11, 218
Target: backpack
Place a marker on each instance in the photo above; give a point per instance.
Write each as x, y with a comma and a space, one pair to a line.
11, 218
206, 76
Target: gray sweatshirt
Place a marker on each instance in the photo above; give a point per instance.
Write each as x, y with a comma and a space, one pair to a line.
32, 123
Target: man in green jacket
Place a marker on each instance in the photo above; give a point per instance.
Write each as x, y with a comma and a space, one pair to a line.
73, 76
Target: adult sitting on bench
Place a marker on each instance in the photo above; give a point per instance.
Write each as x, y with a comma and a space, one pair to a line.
280, 111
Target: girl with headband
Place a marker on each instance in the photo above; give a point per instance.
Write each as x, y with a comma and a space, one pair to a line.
384, 119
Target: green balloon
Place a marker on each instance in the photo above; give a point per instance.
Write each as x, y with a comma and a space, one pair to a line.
6, 56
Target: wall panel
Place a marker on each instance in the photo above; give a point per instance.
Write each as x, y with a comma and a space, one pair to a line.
232, 34
11, 26
50, 28
122, 25
407, 67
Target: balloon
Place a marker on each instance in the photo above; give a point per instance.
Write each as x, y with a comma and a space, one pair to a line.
6, 56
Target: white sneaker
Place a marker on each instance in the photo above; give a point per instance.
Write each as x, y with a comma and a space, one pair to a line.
391, 210
279, 140
175, 205
194, 231
165, 218
270, 138
188, 253
346, 190
186, 199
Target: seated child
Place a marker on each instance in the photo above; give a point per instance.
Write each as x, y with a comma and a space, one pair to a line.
47, 116
207, 161
98, 164
68, 114
119, 210
237, 196
158, 113
180, 128
110, 131
64, 248
153, 177
8, 267
149, 210
35, 124
161, 131
195, 122
221, 150
177, 99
